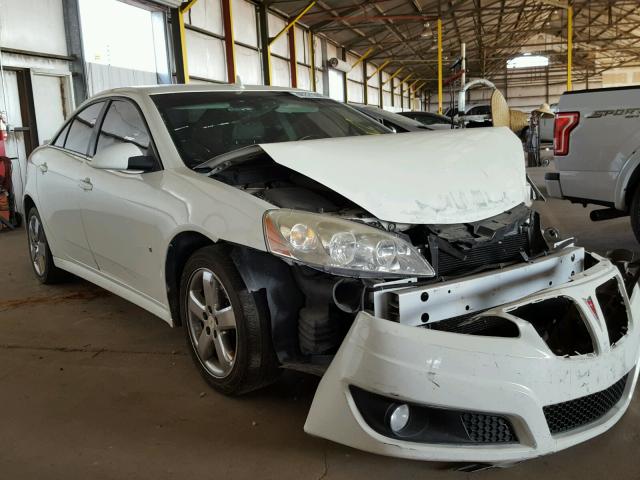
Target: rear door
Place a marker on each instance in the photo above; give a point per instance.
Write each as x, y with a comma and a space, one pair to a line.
124, 212
60, 183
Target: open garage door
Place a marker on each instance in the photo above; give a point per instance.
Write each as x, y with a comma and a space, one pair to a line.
35, 104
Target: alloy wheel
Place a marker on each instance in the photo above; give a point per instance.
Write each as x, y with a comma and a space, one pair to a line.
37, 245
212, 323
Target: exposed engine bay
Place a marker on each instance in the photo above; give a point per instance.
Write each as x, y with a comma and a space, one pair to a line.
324, 305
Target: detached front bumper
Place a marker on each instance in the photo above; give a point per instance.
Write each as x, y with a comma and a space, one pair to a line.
549, 402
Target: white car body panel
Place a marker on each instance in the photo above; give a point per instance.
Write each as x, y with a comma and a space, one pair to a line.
450, 176
512, 377
116, 234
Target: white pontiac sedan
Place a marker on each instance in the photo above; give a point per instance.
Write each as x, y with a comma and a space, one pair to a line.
282, 229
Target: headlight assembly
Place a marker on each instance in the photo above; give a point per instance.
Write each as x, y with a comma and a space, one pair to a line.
341, 246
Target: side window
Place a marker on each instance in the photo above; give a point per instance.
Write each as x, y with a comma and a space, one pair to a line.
63, 136
82, 127
123, 123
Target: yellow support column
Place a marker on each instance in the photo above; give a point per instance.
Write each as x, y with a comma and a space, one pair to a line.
184, 8
440, 66
569, 46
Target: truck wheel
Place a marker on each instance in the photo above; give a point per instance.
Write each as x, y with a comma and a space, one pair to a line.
634, 214
227, 327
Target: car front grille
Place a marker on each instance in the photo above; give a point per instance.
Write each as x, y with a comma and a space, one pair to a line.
565, 416
506, 250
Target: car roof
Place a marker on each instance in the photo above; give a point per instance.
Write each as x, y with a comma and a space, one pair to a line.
198, 87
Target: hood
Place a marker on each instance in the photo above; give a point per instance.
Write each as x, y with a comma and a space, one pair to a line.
453, 176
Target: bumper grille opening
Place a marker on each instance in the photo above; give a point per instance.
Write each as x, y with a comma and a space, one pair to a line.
560, 324
566, 416
614, 309
483, 428
484, 326
427, 424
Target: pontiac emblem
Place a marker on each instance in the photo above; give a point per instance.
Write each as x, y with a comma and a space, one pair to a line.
591, 305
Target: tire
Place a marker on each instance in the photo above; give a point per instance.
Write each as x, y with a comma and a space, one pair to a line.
212, 297
40, 253
634, 213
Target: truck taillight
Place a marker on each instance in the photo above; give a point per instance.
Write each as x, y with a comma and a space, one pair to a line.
565, 122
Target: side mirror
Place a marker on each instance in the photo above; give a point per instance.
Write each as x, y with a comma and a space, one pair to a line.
122, 156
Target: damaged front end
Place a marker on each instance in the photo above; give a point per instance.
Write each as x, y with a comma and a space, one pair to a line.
477, 340
519, 363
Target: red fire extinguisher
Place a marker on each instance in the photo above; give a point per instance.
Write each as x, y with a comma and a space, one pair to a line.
3, 135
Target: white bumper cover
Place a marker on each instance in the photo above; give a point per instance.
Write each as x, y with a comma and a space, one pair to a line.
510, 377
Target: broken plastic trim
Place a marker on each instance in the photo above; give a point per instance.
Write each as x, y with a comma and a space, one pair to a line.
613, 309
560, 324
483, 325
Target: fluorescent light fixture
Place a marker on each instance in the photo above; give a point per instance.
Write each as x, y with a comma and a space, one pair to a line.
528, 61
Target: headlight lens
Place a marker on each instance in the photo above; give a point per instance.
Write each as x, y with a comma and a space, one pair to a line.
341, 246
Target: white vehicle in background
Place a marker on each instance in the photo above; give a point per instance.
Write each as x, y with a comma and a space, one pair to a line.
283, 229
393, 121
597, 152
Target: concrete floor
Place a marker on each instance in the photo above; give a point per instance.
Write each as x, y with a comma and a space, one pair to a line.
93, 387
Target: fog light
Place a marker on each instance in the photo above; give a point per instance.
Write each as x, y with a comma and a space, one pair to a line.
399, 417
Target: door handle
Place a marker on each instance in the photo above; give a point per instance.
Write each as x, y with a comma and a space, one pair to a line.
43, 167
86, 184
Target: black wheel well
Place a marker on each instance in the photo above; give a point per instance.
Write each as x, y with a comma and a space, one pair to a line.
630, 189
181, 247
28, 205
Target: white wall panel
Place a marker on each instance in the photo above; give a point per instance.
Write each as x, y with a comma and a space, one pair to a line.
103, 77
386, 98
304, 80
280, 72
336, 85
35, 25
396, 100
280, 46
245, 28
207, 14
332, 51
302, 45
355, 92
373, 96
385, 78
317, 49
319, 84
356, 72
248, 65
375, 80
206, 56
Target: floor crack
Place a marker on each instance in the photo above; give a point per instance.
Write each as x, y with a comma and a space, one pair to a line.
95, 351
326, 465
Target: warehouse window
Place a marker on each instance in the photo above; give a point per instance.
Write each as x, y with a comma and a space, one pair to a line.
528, 61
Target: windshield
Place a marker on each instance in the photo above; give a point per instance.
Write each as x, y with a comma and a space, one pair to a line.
204, 125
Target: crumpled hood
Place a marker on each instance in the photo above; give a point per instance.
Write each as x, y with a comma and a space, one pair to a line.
454, 176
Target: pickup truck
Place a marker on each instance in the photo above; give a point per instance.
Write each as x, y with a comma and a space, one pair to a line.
597, 152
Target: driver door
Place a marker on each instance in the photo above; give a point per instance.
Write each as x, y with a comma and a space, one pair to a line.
122, 211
